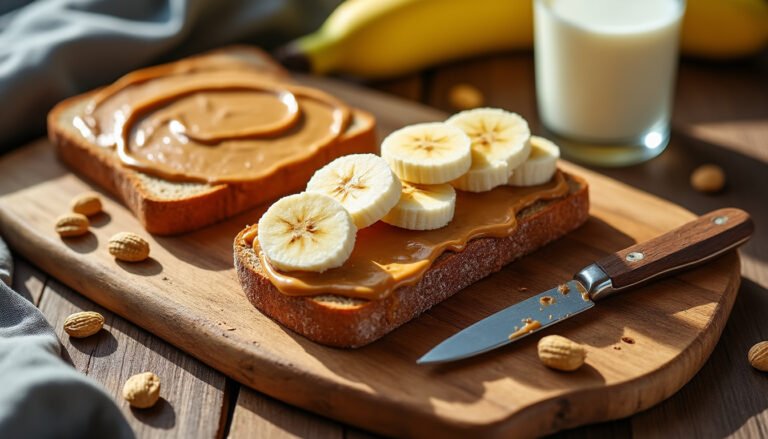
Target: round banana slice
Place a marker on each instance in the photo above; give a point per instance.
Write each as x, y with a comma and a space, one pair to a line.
484, 175
363, 183
307, 232
423, 207
427, 153
540, 166
500, 143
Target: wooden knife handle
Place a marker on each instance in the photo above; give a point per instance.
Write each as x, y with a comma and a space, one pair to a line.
691, 244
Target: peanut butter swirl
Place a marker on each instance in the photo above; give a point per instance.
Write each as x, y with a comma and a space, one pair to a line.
387, 257
223, 123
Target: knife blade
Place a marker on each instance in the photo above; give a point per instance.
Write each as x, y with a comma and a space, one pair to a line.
694, 243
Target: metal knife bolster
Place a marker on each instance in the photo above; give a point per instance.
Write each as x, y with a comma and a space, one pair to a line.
596, 281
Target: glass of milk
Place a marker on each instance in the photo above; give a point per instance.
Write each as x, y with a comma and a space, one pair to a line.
605, 74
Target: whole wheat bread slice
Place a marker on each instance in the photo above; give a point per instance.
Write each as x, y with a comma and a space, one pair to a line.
165, 207
346, 322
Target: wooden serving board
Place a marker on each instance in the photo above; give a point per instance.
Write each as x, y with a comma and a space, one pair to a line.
642, 345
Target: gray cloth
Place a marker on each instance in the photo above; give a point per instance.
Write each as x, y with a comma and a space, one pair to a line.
6, 264
40, 395
52, 49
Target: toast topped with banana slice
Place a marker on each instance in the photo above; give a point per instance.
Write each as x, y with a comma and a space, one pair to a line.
374, 241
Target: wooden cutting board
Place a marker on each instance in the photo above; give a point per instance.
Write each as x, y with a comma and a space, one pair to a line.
642, 345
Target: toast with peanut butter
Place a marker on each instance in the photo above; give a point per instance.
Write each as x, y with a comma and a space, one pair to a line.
196, 141
487, 231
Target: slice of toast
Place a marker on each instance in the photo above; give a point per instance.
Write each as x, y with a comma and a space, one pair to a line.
347, 322
167, 207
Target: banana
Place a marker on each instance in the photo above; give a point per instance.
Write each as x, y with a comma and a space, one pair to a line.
540, 166
387, 38
500, 143
483, 176
363, 183
428, 153
308, 232
423, 207
742, 28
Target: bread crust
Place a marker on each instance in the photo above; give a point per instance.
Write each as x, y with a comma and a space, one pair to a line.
355, 322
164, 216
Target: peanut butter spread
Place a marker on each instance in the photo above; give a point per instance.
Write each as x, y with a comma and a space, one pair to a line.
387, 257
214, 122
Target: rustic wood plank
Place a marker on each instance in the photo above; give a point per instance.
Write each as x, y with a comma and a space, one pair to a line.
192, 394
506, 81
354, 433
28, 280
409, 87
613, 430
257, 415
725, 104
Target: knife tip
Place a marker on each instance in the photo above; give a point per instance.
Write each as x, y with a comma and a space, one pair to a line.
425, 360
430, 358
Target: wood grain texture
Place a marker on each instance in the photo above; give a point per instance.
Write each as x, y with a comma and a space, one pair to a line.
187, 294
692, 243
258, 415
191, 395
28, 280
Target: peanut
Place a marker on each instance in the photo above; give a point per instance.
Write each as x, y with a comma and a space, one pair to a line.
72, 224
88, 204
83, 324
142, 390
758, 356
127, 246
465, 97
560, 353
708, 178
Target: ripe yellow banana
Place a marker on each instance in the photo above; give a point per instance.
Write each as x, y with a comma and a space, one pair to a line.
385, 38
723, 29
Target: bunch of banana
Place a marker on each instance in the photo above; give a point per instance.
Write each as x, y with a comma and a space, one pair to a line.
412, 185
385, 38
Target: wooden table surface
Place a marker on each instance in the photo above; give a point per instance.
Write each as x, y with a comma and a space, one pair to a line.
721, 116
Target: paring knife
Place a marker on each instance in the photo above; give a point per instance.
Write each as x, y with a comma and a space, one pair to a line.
694, 243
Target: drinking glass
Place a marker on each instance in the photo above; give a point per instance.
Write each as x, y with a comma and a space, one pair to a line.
605, 74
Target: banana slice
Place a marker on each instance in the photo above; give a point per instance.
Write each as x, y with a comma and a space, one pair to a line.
308, 232
427, 153
540, 166
363, 183
484, 175
500, 143
423, 207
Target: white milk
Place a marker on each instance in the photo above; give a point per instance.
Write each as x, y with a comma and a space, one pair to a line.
605, 68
